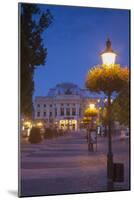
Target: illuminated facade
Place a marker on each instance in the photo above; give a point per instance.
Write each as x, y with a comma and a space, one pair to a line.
63, 107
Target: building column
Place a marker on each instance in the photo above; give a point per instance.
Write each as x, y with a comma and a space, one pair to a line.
65, 113
70, 111
77, 110
47, 116
77, 115
58, 114
58, 110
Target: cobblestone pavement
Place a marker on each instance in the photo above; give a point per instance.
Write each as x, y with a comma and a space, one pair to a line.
64, 165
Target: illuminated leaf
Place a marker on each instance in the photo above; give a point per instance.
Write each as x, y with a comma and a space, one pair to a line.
107, 79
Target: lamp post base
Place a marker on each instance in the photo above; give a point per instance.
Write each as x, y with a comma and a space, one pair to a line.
110, 184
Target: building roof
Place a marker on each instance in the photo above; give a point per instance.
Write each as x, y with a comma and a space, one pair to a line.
66, 89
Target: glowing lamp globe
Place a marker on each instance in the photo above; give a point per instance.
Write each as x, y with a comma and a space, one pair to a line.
108, 56
92, 106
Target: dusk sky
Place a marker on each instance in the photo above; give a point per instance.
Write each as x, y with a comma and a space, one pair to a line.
74, 41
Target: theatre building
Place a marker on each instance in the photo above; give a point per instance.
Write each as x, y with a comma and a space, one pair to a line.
63, 106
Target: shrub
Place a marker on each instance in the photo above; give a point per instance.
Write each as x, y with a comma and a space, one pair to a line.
48, 133
60, 131
35, 136
51, 133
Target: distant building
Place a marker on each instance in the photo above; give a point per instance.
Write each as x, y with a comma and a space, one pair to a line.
63, 107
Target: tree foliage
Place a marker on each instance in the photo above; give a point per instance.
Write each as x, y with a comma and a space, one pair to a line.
33, 23
35, 136
86, 121
121, 107
103, 116
90, 112
107, 78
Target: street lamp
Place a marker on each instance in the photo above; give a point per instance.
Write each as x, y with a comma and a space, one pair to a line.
108, 55
91, 112
108, 59
98, 100
92, 106
108, 78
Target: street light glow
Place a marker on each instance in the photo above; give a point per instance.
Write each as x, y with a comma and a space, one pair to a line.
91, 105
27, 123
111, 100
105, 100
108, 58
39, 124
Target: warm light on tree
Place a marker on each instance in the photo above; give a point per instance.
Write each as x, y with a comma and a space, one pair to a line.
86, 120
107, 78
91, 112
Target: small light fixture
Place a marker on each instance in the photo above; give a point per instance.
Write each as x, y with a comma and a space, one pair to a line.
108, 55
105, 100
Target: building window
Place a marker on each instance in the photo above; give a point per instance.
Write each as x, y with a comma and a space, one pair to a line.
51, 105
50, 114
44, 105
68, 104
44, 114
73, 111
67, 111
38, 114
38, 105
73, 104
62, 104
62, 111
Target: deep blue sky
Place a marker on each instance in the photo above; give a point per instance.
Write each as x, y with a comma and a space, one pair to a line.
75, 40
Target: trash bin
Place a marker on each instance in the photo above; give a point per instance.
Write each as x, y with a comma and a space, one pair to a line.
118, 172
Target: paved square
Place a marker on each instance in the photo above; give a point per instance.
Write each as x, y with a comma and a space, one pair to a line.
64, 165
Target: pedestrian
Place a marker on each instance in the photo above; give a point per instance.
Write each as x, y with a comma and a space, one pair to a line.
93, 138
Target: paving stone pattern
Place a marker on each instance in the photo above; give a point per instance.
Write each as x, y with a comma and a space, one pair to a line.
64, 165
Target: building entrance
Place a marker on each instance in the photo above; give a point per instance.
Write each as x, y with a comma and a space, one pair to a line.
68, 124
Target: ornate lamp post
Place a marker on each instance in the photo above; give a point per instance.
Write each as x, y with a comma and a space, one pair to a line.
108, 58
108, 78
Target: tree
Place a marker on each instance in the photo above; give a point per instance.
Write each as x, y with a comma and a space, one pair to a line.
89, 115
120, 107
35, 135
33, 23
90, 112
103, 116
107, 79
